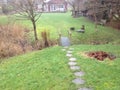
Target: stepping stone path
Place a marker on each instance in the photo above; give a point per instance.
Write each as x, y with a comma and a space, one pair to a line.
79, 73
78, 81
72, 63
85, 89
69, 55
73, 66
72, 59
69, 52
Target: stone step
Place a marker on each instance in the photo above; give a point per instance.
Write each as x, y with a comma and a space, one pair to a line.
72, 59
72, 63
74, 67
69, 55
79, 73
85, 89
78, 81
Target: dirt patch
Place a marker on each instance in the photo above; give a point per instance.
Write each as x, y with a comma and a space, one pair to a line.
101, 55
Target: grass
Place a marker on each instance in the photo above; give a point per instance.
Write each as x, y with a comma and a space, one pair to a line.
54, 22
48, 70
41, 70
99, 75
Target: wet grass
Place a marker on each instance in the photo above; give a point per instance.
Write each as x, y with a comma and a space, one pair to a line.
100, 75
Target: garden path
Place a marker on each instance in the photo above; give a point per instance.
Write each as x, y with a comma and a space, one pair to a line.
78, 81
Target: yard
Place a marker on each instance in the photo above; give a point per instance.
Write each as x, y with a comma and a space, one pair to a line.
55, 22
48, 69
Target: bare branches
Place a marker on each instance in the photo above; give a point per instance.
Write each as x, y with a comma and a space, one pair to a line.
28, 9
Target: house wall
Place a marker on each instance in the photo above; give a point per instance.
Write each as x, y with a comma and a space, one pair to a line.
57, 8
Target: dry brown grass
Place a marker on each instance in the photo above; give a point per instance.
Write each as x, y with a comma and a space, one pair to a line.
13, 40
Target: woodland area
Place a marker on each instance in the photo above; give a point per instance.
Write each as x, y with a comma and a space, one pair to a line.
100, 11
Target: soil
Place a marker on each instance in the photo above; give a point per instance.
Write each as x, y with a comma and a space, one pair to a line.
101, 55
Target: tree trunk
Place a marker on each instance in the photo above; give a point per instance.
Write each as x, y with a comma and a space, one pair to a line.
35, 32
95, 21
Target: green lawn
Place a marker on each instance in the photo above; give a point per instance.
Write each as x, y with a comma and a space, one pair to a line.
101, 75
48, 70
54, 22
42, 70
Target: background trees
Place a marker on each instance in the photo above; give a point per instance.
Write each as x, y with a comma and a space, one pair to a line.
28, 9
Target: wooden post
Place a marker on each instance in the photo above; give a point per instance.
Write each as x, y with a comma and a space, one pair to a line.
69, 33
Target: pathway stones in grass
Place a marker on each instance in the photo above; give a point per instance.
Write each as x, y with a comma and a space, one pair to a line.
85, 89
66, 47
72, 63
69, 55
79, 73
78, 81
74, 68
69, 52
72, 59
63, 49
71, 49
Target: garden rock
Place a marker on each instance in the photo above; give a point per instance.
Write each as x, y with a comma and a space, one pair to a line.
78, 81
69, 55
63, 49
79, 73
74, 67
72, 63
69, 52
72, 59
85, 89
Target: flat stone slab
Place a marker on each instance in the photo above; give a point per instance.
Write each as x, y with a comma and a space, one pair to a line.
85, 89
78, 81
69, 55
74, 67
72, 63
71, 49
79, 73
63, 49
72, 59
69, 52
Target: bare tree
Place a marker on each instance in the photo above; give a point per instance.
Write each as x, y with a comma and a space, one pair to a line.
28, 9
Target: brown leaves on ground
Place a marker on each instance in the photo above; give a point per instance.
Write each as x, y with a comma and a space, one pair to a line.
101, 55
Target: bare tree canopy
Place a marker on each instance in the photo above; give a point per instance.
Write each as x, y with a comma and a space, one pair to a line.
28, 9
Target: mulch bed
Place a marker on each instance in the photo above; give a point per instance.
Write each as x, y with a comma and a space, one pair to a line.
101, 55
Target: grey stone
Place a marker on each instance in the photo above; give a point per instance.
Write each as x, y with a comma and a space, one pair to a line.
63, 49
78, 81
85, 88
71, 49
69, 55
72, 63
69, 52
74, 67
72, 59
79, 73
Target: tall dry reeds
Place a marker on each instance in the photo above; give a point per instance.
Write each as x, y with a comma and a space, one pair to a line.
45, 41
13, 40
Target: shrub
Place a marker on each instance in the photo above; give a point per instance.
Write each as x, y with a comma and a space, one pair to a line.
13, 40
